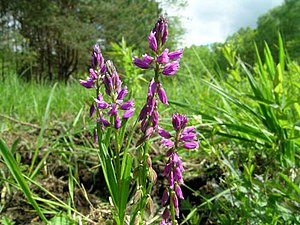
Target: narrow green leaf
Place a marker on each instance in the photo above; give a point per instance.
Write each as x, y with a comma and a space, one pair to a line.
17, 174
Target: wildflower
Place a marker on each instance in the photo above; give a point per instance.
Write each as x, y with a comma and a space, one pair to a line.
152, 41
186, 138
171, 68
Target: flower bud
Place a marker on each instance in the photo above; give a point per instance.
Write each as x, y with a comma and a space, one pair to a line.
176, 54
152, 175
92, 109
128, 105
122, 93
163, 58
165, 197
128, 113
117, 123
171, 68
149, 205
152, 41
191, 145
141, 63
162, 95
163, 133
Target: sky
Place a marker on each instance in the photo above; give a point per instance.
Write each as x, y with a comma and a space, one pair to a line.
208, 21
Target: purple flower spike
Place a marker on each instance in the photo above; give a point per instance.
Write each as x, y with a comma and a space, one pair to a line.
97, 59
191, 145
122, 93
141, 63
152, 41
171, 68
176, 55
117, 123
87, 83
163, 58
128, 113
162, 95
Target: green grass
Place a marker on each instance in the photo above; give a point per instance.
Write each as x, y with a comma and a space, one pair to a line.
249, 129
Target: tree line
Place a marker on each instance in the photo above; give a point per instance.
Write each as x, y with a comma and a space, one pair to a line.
52, 39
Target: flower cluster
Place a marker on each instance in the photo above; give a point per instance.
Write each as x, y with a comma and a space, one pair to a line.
163, 62
186, 138
105, 73
97, 69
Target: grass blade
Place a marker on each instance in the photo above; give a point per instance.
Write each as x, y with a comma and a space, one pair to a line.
17, 174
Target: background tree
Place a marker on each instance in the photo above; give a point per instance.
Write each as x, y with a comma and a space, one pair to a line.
55, 36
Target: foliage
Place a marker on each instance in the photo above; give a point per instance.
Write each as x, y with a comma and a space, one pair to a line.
50, 41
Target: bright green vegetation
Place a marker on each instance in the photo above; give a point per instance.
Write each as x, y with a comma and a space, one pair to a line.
248, 121
244, 101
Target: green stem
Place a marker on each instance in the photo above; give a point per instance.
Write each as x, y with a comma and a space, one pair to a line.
118, 167
172, 207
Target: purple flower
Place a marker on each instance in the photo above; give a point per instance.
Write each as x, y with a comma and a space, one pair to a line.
171, 68
161, 30
97, 59
163, 133
165, 197
93, 74
163, 58
117, 122
168, 143
178, 175
152, 88
188, 137
141, 63
191, 145
152, 41
122, 93
166, 214
148, 59
128, 113
162, 94
178, 191
87, 83
179, 121
128, 105
101, 104
92, 109
176, 54
113, 110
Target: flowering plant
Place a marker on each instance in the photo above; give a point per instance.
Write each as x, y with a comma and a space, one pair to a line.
111, 119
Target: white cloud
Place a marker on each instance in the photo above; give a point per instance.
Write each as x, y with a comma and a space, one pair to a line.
210, 21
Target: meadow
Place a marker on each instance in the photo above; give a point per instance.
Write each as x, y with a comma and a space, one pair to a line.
245, 171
